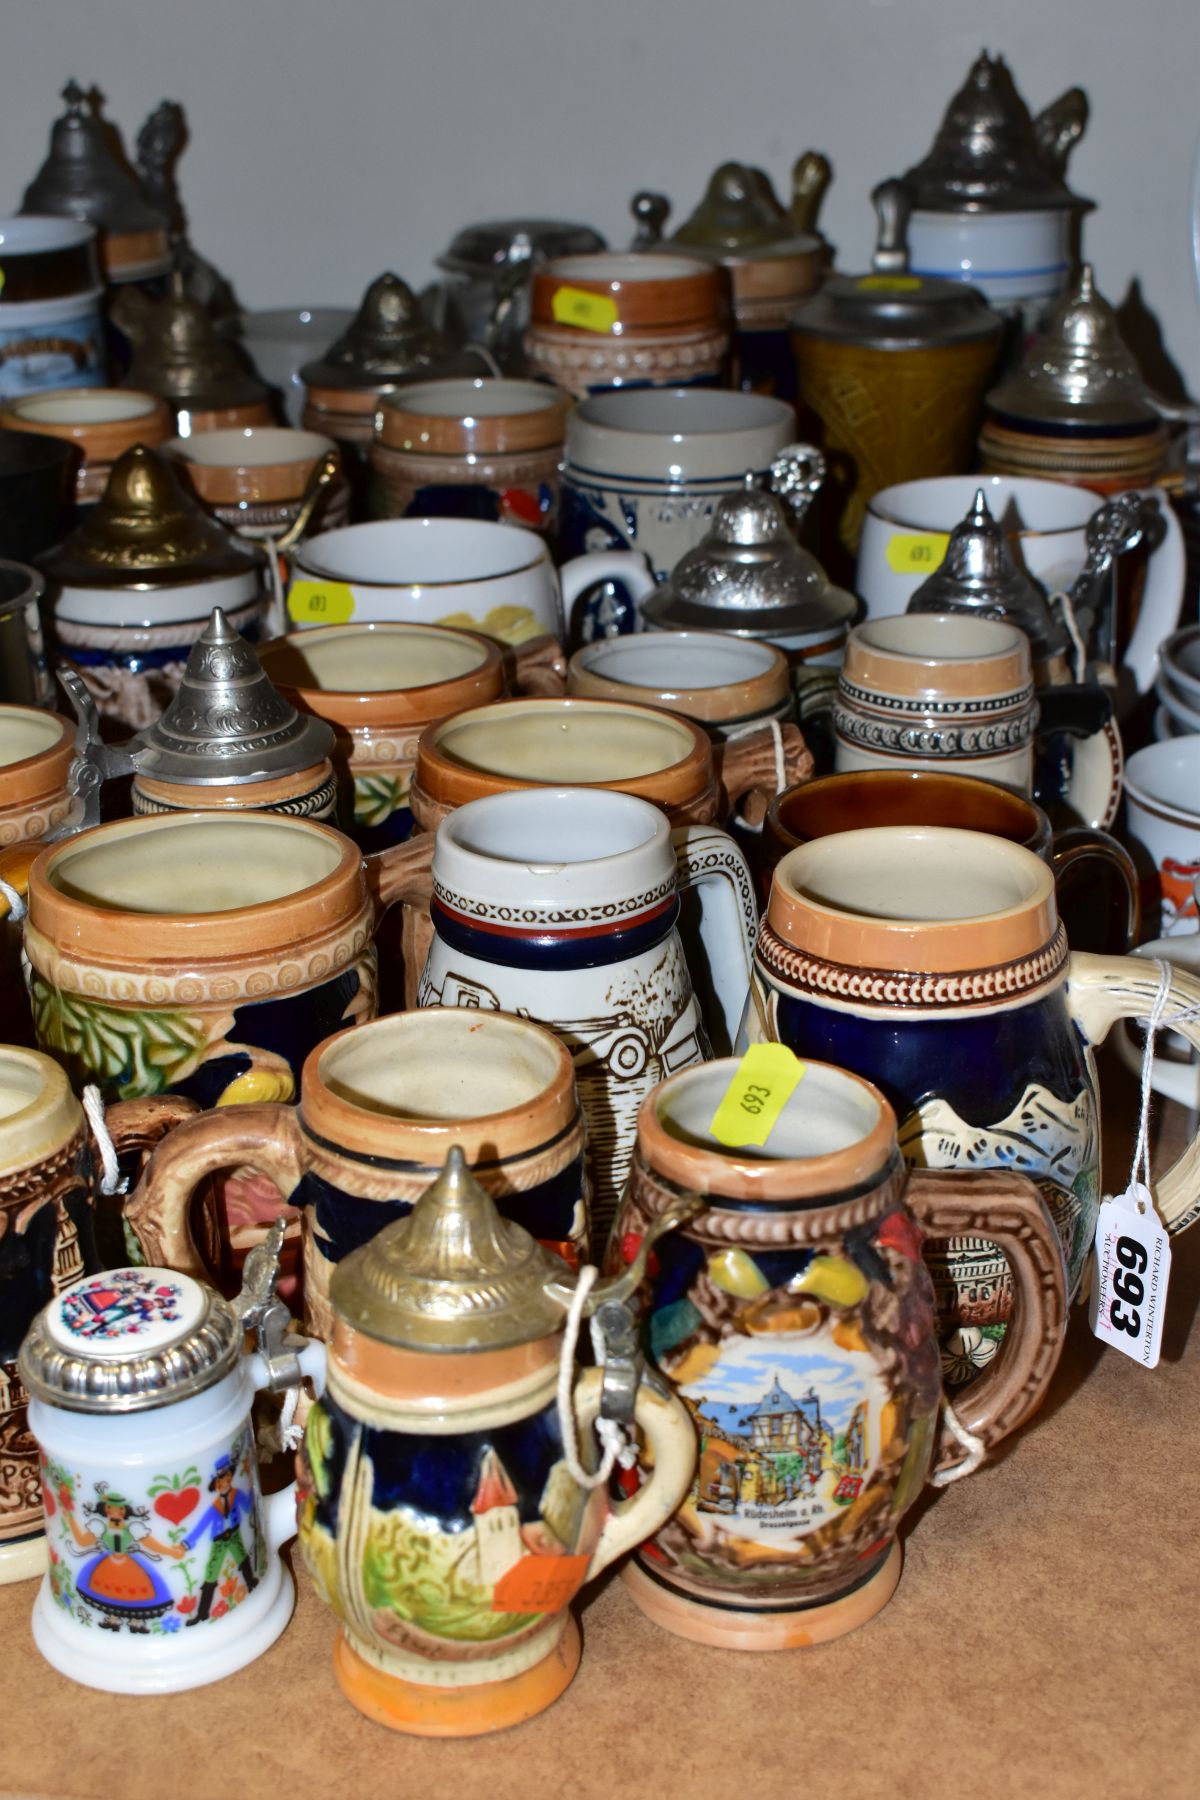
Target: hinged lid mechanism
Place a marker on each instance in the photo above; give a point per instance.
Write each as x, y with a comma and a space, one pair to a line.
979, 575
81, 178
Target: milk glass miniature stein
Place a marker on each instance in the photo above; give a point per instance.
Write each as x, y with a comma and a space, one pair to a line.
164, 1556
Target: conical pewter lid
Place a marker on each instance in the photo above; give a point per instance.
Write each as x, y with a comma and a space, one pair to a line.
749, 576
147, 531
491, 249
986, 156
228, 723
178, 354
82, 179
387, 341
1080, 371
979, 575
738, 213
453, 1275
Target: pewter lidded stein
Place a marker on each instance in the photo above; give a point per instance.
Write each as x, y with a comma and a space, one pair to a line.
442, 1514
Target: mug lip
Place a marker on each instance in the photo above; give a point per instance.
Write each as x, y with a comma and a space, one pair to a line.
409, 423
896, 781
306, 555
879, 503
939, 946
445, 779
739, 697
1149, 756
45, 772
133, 420
53, 1113
513, 1132
426, 702
1000, 675
109, 935
736, 1175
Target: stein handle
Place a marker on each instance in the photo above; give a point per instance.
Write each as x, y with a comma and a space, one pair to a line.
15, 865
1162, 596
402, 874
536, 668
1076, 846
671, 1439
1009, 1210
797, 472
267, 1137
1103, 989
628, 567
758, 765
720, 942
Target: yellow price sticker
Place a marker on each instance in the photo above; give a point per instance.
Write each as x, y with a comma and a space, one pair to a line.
590, 312
916, 553
766, 1078
889, 284
320, 602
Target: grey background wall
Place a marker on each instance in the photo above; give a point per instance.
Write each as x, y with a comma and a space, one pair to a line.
334, 138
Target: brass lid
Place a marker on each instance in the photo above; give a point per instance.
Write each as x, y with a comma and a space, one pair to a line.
387, 341
177, 353
453, 1275
738, 220
83, 179
147, 531
749, 576
989, 156
979, 575
228, 724
1080, 371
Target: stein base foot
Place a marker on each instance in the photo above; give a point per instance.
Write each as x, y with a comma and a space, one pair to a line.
730, 1628
24, 1560
422, 1711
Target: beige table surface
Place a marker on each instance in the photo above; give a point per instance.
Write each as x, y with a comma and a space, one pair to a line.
1043, 1642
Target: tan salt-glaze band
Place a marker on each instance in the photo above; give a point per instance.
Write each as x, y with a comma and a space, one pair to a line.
389, 709
237, 796
693, 295
99, 440
401, 425
412, 1378
710, 705
909, 675
38, 778
858, 941
255, 484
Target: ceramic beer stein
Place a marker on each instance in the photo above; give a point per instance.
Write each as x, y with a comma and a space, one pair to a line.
795, 1319
562, 905
164, 1556
50, 1175
932, 961
206, 953
380, 1108
442, 1514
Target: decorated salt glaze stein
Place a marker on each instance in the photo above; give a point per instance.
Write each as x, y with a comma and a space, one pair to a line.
380, 685
380, 1108
99, 424
932, 961
445, 1513
206, 953
164, 1569
54, 1226
723, 682
868, 797
795, 1319
562, 905
39, 797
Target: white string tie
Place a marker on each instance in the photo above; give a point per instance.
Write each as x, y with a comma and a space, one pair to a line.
974, 1446
278, 614
110, 1179
18, 906
1079, 657
283, 1433
607, 1430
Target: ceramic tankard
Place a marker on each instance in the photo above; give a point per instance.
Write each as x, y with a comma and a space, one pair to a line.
562, 905
932, 961
53, 1228
795, 1319
443, 1516
380, 1109
164, 1556
206, 954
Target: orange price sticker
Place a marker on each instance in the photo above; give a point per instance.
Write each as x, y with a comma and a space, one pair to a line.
916, 553
540, 1584
590, 312
320, 602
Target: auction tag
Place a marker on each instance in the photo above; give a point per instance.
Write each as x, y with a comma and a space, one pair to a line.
889, 284
591, 312
540, 1584
766, 1078
320, 602
1129, 1276
913, 553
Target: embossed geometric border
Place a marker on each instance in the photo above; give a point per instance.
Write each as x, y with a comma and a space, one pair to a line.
893, 988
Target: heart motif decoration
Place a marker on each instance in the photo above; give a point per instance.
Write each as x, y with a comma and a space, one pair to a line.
176, 1507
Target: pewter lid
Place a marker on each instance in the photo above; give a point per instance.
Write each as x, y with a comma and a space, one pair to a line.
979, 575
989, 156
228, 723
1080, 371
128, 1340
749, 576
492, 248
453, 1275
178, 353
387, 341
82, 178
147, 531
